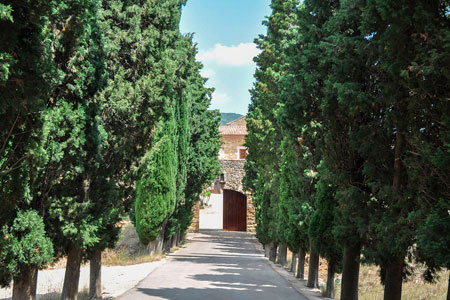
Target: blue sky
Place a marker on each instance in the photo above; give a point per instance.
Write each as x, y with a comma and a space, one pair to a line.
224, 31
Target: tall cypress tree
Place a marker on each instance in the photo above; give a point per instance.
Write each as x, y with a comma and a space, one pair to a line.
296, 211
198, 141
347, 107
28, 75
429, 168
323, 224
156, 190
138, 39
262, 163
303, 84
407, 41
166, 67
72, 138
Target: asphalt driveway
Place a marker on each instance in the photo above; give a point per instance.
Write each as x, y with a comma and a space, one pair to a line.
215, 265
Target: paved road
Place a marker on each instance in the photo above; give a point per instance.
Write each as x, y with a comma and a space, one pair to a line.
211, 217
215, 265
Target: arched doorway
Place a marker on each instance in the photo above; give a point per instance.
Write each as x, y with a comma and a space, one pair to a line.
234, 211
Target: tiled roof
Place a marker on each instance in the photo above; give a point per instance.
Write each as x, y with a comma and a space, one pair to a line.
233, 130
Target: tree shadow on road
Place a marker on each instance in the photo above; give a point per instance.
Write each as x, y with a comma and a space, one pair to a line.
238, 272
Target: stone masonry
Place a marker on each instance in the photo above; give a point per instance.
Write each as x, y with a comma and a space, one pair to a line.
195, 225
233, 171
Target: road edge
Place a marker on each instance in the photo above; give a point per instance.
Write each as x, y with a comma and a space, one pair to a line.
298, 285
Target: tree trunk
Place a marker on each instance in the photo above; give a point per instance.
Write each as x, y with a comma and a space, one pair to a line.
394, 271
294, 257
273, 251
160, 240
74, 256
282, 254
167, 245
25, 289
394, 279
95, 276
313, 269
350, 272
448, 288
267, 250
151, 248
330, 280
173, 241
72, 275
301, 264
177, 239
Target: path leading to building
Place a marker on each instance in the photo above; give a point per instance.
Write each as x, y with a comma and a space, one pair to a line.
215, 265
211, 216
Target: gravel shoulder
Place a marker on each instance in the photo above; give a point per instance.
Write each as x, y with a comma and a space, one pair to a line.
116, 280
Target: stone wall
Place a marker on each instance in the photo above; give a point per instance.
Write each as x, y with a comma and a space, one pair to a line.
233, 171
231, 145
195, 225
251, 223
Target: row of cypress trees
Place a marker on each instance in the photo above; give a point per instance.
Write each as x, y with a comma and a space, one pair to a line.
352, 100
104, 114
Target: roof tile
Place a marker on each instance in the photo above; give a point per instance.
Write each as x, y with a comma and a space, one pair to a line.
233, 130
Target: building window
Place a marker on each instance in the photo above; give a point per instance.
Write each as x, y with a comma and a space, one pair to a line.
242, 152
222, 178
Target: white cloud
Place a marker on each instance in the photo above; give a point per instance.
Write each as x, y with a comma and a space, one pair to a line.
230, 55
208, 73
220, 99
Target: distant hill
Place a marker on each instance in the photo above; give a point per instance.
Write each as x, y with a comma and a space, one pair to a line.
228, 117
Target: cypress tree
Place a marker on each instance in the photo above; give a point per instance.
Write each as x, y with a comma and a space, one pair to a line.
167, 136
322, 226
72, 136
429, 167
27, 77
262, 163
198, 142
295, 210
156, 190
346, 108
302, 90
407, 50
317, 108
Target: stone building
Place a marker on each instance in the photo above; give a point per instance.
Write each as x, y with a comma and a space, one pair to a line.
233, 206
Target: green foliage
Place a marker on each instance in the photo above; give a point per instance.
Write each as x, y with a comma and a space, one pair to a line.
262, 165
198, 141
292, 204
361, 86
23, 245
324, 220
101, 103
156, 190
6, 12
73, 138
27, 77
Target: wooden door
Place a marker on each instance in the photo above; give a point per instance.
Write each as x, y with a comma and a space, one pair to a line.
234, 211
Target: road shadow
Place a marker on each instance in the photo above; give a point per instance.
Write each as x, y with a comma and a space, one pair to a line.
239, 272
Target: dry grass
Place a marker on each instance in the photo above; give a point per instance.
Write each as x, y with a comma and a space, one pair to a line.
82, 295
129, 250
415, 288
113, 257
370, 287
